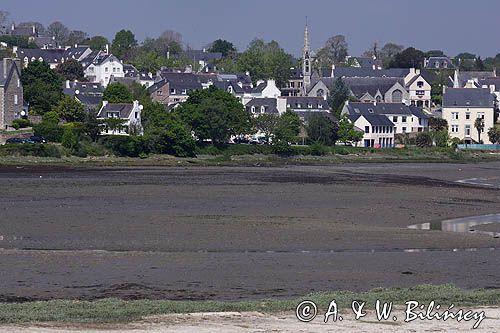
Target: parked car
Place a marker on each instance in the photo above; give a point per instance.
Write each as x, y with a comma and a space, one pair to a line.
259, 141
36, 139
240, 140
14, 141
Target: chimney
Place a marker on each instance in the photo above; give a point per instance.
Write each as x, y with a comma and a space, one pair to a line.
168, 54
34, 30
374, 67
13, 27
107, 48
333, 70
347, 103
136, 104
204, 50
444, 89
67, 84
374, 103
104, 103
6, 62
14, 50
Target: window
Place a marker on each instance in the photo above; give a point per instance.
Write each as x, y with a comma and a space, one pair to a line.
159, 92
420, 92
403, 119
397, 96
292, 84
367, 129
309, 105
454, 128
404, 130
253, 109
395, 119
420, 84
370, 110
172, 91
184, 91
320, 93
480, 115
106, 69
467, 115
454, 116
15, 99
136, 115
18, 83
320, 106
467, 130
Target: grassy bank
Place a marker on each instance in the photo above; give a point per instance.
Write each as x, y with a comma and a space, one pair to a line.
116, 311
241, 155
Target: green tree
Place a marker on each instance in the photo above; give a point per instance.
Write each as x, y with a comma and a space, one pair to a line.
223, 46
91, 125
42, 87
70, 110
480, 64
437, 124
424, 139
346, 132
322, 129
408, 58
117, 93
335, 52
388, 51
214, 114
71, 70
494, 135
339, 94
441, 137
98, 43
479, 125
266, 61
287, 128
70, 138
149, 62
266, 123
76, 37
123, 42
434, 53
59, 31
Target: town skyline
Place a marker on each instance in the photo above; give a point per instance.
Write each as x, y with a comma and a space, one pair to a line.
222, 19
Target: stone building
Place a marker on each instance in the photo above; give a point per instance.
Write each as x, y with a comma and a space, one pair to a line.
11, 92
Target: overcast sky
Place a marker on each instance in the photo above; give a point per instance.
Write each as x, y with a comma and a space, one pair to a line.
426, 24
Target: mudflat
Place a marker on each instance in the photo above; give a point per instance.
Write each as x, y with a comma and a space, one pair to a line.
237, 233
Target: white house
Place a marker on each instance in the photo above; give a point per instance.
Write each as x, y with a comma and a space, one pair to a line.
128, 113
461, 108
100, 66
406, 118
378, 130
419, 89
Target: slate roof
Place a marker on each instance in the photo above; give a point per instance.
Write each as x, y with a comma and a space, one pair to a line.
359, 86
270, 105
24, 31
180, 81
368, 62
52, 56
3, 80
89, 100
443, 62
367, 72
492, 81
463, 77
124, 110
43, 41
373, 119
468, 97
385, 109
75, 52
304, 102
224, 85
83, 88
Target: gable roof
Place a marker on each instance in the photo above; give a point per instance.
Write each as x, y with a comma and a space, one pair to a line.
270, 104
124, 109
368, 62
438, 62
368, 72
385, 109
468, 97
373, 119
304, 102
14, 67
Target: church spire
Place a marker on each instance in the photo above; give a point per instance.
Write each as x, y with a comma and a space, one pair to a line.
306, 59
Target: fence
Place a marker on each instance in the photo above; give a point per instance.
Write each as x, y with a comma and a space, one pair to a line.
479, 147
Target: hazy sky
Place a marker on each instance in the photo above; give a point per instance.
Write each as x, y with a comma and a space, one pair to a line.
426, 24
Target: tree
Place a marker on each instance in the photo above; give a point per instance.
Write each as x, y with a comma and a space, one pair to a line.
71, 70
70, 110
214, 114
98, 43
91, 125
408, 58
494, 135
434, 53
424, 139
479, 64
59, 31
266, 123
334, 52
479, 125
441, 137
117, 93
149, 62
322, 129
42, 87
76, 37
123, 42
223, 46
346, 132
4, 21
266, 61
166, 132
287, 128
339, 93
388, 51
437, 124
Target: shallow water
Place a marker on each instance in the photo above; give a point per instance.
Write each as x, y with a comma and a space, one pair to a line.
464, 225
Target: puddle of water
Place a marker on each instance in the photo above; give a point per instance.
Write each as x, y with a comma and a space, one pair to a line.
464, 225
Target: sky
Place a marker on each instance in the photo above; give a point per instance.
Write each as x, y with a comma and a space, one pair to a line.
448, 25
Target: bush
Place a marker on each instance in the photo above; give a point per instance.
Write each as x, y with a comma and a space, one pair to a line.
21, 123
317, 149
441, 138
37, 150
70, 139
282, 148
126, 146
424, 139
50, 131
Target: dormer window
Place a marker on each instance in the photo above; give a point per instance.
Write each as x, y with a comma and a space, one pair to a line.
262, 109
309, 105
230, 89
436, 64
320, 106
172, 91
184, 91
253, 109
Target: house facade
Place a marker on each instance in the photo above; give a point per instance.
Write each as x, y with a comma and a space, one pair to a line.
461, 108
11, 92
100, 66
121, 118
378, 130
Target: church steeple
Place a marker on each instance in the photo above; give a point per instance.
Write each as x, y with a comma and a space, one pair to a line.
306, 59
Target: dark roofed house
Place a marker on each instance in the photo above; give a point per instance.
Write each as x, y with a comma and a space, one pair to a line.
369, 72
258, 106
468, 97
378, 130
174, 87
128, 113
11, 92
438, 63
304, 105
365, 62
87, 93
